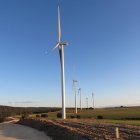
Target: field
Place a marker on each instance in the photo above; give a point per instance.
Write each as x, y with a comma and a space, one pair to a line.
91, 126
126, 115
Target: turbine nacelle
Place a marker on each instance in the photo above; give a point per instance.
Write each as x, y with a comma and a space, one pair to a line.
64, 43
58, 45
75, 81
79, 90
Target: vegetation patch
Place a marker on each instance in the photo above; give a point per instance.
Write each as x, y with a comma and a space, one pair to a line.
78, 116
100, 117
2, 119
59, 115
72, 117
38, 116
44, 115
137, 118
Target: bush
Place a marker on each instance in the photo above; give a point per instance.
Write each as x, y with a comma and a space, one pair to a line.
37, 116
137, 118
59, 115
72, 117
44, 115
78, 116
100, 117
2, 119
24, 116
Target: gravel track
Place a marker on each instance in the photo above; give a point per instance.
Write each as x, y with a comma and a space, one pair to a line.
12, 131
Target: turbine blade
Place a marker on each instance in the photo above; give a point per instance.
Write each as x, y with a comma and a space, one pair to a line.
56, 46
59, 27
51, 50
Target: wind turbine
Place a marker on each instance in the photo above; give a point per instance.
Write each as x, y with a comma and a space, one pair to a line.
74, 86
60, 45
87, 101
93, 99
79, 91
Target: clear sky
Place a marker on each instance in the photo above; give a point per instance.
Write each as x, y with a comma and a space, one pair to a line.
103, 53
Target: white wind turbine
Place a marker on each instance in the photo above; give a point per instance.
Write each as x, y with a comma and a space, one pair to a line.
79, 91
93, 100
87, 101
74, 86
60, 45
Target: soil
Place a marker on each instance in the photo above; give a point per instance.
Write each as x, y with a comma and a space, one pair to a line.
95, 130
83, 129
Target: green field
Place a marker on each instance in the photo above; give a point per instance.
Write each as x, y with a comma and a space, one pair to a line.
107, 113
130, 122
125, 115
111, 113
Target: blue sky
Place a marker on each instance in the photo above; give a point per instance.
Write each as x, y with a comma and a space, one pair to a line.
103, 53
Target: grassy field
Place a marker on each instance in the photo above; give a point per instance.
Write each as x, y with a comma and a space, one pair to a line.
88, 124
107, 113
111, 113
130, 122
125, 115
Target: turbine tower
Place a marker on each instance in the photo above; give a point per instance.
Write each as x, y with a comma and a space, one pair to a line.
60, 45
87, 102
79, 91
93, 99
74, 86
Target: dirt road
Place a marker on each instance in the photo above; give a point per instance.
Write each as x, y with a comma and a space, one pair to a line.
11, 131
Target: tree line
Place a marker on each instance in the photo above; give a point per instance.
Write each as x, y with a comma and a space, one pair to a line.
7, 111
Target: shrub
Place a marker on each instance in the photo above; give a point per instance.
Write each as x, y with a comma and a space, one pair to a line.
137, 118
44, 115
37, 116
24, 116
100, 117
59, 115
72, 117
78, 116
2, 119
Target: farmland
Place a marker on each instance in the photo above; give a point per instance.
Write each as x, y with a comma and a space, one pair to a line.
90, 126
130, 115
87, 124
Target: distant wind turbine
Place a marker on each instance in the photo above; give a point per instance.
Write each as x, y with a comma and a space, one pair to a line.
60, 45
79, 91
93, 100
87, 102
74, 86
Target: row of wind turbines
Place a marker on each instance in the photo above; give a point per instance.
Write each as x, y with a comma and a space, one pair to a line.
80, 94
60, 45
